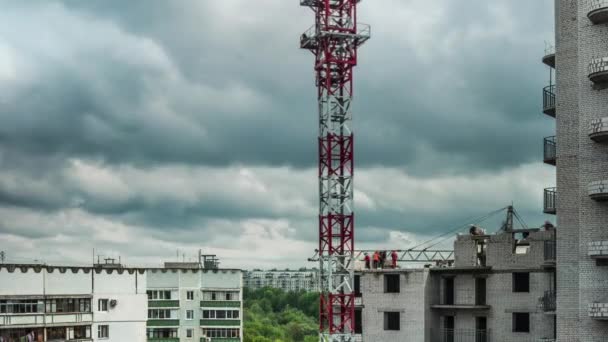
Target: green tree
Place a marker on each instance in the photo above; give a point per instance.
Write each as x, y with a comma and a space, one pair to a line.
272, 315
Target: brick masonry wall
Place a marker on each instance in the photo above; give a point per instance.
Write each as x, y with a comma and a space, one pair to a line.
568, 200
593, 166
581, 221
411, 302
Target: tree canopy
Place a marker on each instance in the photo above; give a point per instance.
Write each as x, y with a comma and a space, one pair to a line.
273, 315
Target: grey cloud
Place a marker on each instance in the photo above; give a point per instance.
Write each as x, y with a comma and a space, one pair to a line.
459, 110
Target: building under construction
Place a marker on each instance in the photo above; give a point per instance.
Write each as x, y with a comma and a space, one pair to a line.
499, 287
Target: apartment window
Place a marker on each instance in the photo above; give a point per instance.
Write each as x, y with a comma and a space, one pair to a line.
153, 333
159, 295
392, 320
391, 283
521, 282
189, 314
102, 305
21, 306
190, 295
103, 331
228, 296
358, 322
221, 333
221, 314
213, 296
159, 313
357, 286
188, 332
521, 322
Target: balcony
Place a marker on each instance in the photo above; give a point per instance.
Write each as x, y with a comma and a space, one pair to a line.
549, 254
549, 100
549, 57
162, 322
598, 11
463, 299
549, 201
163, 303
548, 302
598, 70
220, 304
598, 131
220, 322
598, 190
549, 151
46, 319
461, 335
598, 250
598, 310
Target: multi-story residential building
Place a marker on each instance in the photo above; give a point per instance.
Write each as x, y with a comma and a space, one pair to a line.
109, 302
501, 287
48, 303
287, 280
187, 302
579, 106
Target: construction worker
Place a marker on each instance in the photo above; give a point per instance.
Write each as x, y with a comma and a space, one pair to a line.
394, 258
382, 259
367, 261
376, 259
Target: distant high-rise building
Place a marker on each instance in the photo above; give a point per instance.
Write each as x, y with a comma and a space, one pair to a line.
287, 280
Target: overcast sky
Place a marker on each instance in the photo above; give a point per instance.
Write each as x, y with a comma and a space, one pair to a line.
140, 128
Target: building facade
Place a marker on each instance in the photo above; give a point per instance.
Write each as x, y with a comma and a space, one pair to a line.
46, 303
580, 110
190, 303
500, 288
287, 280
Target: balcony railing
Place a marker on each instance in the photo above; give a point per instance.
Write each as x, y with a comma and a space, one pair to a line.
549, 100
463, 298
598, 190
549, 202
598, 11
461, 335
550, 150
549, 57
550, 253
598, 71
548, 301
598, 131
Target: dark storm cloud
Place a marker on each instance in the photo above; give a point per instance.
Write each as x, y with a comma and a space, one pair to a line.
470, 102
198, 118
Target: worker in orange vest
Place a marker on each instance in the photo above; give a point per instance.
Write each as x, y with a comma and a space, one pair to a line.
376, 259
394, 257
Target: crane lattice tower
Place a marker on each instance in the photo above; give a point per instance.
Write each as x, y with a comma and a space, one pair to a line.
334, 40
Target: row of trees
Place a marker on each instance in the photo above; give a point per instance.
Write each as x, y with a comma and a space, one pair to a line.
273, 315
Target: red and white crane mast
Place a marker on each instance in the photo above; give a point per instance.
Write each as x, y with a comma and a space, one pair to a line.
334, 40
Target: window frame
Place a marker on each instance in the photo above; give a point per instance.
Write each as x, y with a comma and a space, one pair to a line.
518, 286
103, 304
100, 331
190, 295
392, 317
515, 327
390, 281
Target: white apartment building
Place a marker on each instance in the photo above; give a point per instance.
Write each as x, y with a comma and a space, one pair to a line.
189, 303
47, 303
